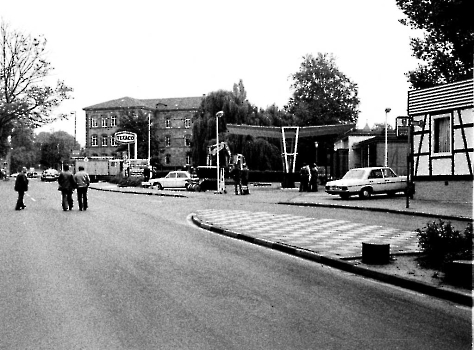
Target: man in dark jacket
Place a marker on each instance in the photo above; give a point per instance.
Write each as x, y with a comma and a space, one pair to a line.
21, 186
67, 184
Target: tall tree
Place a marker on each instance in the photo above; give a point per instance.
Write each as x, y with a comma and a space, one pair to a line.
447, 47
25, 94
23, 152
55, 148
322, 95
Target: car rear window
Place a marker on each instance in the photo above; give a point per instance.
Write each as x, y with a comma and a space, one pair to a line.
354, 174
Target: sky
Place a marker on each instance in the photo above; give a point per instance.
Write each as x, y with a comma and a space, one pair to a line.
143, 49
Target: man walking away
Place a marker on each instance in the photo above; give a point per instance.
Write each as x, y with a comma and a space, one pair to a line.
21, 186
82, 182
67, 184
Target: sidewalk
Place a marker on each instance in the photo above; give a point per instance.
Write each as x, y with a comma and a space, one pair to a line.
328, 241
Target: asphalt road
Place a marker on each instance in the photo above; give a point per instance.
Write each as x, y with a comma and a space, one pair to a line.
133, 273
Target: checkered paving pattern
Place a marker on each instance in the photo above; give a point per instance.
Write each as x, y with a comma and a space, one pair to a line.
324, 236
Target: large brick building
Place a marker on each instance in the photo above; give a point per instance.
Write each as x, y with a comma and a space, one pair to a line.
172, 118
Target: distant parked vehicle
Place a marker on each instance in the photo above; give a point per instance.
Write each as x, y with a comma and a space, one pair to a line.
49, 175
174, 179
367, 181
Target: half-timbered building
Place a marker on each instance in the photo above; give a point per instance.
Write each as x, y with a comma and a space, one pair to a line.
442, 146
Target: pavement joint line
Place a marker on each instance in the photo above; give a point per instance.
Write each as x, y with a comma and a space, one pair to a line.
385, 210
342, 264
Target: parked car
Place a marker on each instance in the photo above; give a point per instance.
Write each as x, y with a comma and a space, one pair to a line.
367, 181
49, 175
174, 179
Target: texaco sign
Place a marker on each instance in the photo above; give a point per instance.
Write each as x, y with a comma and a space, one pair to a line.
125, 137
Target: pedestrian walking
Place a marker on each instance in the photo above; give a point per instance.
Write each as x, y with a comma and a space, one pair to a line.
235, 175
313, 180
67, 184
82, 182
21, 186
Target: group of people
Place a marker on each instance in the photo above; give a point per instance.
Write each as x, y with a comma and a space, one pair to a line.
241, 178
67, 182
309, 178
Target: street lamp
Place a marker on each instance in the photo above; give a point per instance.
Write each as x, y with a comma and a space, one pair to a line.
75, 138
387, 110
218, 115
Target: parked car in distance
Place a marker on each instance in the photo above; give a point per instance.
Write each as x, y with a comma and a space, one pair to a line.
367, 181
49, 175
174, 179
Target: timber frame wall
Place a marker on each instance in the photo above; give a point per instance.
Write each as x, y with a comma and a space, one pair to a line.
443, 165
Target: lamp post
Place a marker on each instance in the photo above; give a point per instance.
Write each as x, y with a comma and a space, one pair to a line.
149, 141
75, 138
387, 110
218, 115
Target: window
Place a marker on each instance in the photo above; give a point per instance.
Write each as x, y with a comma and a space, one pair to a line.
187, 141
94, 122
442, 134
388, 173
188, 159
104, 140
187, 123
167, 141
167, 159
104, 122
113, 143
376, 174
167, 123
94, 142
113, 120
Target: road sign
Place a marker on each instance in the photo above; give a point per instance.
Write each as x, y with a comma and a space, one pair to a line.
125, 137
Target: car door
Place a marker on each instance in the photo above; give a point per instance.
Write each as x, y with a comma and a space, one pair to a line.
376, 180
181, 180
171, 180
392, 181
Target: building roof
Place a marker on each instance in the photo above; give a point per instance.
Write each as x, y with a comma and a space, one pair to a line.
276, 132
129, 102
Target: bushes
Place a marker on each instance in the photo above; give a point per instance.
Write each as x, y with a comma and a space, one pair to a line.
126, 181
441, 243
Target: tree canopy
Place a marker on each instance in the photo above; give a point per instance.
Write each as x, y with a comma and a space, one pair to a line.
322, 95
447, 46
26, 95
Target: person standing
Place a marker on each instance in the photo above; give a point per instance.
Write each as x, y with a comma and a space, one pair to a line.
313, 180
67, 184
21, 186
304, 178
82, 182
235, 175
244, 179
146, 173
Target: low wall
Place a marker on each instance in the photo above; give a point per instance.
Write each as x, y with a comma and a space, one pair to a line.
445, 191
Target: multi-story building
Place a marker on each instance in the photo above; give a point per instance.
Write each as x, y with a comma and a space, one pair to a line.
172, 118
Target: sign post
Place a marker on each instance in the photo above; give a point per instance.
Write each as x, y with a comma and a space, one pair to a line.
128, 138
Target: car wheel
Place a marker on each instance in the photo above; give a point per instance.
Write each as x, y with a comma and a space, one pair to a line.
158, 186
197, 188
365, 193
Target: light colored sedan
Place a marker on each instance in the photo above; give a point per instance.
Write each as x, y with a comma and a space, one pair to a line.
367, 181
174, 179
